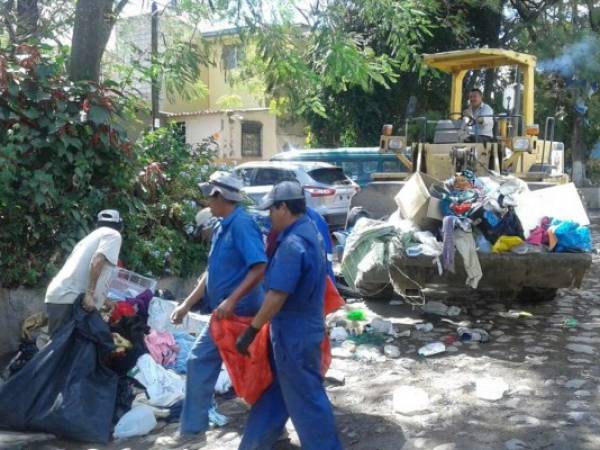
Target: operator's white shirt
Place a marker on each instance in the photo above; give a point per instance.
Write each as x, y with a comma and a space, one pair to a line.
487, 127
74, 277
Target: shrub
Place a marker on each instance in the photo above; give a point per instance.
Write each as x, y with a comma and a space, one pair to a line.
158, 235
64, 156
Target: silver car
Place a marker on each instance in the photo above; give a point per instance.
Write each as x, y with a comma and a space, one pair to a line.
328, 190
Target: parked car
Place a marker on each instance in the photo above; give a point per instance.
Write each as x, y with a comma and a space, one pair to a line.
358, 163
328, 190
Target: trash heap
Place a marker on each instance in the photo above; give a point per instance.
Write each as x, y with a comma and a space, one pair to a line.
357, 333
126, 363
467, 215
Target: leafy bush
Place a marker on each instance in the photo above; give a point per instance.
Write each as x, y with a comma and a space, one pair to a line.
64, 156
158, 236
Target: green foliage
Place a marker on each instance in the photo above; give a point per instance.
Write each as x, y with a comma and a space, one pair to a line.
167, 200
64, 156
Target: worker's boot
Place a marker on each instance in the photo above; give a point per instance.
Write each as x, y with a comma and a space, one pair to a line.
179, 440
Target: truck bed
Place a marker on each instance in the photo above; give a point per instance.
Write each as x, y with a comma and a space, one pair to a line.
502, 271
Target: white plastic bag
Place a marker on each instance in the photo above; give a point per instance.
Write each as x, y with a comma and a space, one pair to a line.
159, 318
223, 383
164, 387
139, 421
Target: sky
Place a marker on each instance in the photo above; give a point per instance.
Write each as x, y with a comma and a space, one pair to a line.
136, 7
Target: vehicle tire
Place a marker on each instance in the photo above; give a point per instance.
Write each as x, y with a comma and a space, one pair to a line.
537, 295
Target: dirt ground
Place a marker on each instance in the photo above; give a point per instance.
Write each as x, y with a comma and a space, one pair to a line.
546, 371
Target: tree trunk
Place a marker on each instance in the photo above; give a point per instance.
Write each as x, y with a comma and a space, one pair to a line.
28, 16
578, 153
94, 20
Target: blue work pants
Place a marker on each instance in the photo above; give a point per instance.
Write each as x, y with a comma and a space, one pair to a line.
203, 368
297, 392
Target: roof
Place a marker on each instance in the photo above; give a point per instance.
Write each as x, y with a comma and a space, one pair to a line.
229, 31
308, 151
306, 165
207, 112
477, 58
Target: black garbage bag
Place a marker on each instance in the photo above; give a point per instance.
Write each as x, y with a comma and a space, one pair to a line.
27, 350
65, 389
134, 329
508, 225
125, 397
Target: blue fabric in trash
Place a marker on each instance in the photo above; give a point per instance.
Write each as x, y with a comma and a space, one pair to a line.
491, 218
185, 342
571, 237
214, 416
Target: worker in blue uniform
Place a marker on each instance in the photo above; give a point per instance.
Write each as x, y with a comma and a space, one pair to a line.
295, 285
323, 231
230, 285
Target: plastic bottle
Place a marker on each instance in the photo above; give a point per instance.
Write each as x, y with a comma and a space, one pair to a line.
432, 349
424, 327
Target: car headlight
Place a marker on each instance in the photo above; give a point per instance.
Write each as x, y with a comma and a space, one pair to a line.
521, 144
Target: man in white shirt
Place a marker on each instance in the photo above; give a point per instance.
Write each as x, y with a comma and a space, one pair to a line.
87, 271
481, 114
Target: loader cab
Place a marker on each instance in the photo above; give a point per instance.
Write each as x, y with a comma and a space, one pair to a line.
516, 148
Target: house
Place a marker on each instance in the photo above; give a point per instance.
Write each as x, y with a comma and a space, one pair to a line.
234, 114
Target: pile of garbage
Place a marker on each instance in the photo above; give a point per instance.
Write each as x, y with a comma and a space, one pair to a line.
126, 363
356, 333
466, 214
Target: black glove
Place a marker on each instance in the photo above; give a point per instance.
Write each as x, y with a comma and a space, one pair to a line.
245, 339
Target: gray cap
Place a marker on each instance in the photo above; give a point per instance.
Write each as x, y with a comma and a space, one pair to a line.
110, 215
285, 190
226, 184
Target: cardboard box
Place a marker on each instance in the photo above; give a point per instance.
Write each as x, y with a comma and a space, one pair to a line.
559, 202
434, 210
413, 200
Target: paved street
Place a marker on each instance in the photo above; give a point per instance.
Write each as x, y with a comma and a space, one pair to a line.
543, 367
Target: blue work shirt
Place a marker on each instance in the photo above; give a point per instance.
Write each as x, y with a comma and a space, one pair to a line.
324, 232
298, 269
236, 246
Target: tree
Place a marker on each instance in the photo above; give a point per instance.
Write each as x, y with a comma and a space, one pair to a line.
565, 34
94, 21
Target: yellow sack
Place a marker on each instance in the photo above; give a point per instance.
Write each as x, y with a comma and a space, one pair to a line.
506, 243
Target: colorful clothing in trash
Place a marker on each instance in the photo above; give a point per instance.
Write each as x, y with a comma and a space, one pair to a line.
162, 347
297, 330
236, 247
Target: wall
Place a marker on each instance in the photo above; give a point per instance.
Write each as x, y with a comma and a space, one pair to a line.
220, 79
200, 126
15, 306
18, 304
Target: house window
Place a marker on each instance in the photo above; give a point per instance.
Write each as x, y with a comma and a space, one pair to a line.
251, 139
232, 55
180, 131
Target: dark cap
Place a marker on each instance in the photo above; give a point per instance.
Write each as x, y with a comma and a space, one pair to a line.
285, 190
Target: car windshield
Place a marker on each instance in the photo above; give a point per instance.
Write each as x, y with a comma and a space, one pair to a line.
333, 175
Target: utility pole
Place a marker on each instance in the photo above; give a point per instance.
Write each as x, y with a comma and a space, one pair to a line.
155, 91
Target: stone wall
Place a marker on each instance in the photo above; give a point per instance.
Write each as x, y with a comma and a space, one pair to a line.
18, 304
15, 306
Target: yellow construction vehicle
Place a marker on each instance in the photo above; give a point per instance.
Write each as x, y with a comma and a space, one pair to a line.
517, 147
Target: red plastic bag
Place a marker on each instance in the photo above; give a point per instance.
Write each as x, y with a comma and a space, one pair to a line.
333, 300
250, 376
325, 355
122, 309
